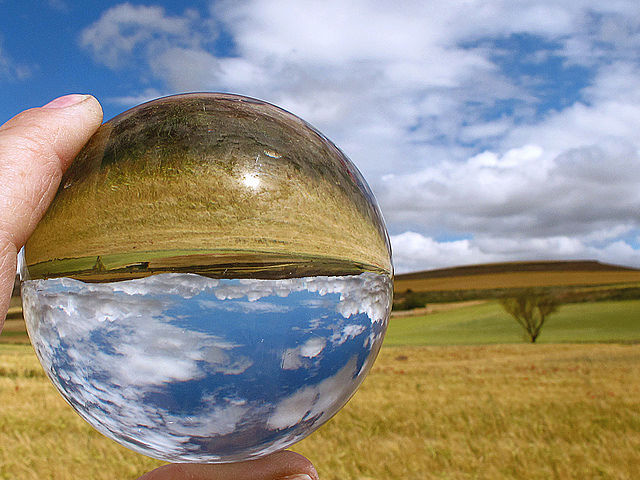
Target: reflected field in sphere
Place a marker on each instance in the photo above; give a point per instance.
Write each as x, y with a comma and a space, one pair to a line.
212, 281
208, 174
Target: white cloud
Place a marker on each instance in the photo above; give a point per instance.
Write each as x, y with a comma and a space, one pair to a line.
421, 253
294, 358
348, 331
319, 402
126, 28
413, 251
111, 347
414, 94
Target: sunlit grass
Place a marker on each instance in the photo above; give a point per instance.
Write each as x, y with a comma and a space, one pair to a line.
193, 205
520, 411
518, 280
511, 411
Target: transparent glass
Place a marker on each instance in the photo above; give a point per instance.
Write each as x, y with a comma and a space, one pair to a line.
212, 281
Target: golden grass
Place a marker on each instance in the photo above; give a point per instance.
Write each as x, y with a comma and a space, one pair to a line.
41, 436
203, 211
489, 412
175, 178
516, 280
522, 412
14, 331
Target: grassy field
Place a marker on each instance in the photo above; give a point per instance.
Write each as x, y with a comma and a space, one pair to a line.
488, 323
455, 394
518, 280
458, 412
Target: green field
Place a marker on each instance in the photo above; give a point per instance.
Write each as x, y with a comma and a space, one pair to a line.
488, 323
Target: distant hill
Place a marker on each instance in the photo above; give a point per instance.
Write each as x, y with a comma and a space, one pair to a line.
532, 266
517, 275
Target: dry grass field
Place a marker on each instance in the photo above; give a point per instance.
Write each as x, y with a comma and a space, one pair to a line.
208, 175
458, 412
517, 280
516, 275
567, 281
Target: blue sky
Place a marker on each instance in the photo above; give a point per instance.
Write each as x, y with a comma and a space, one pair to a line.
488, 130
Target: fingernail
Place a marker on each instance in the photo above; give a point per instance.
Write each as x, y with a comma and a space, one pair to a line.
302, 476
66, 101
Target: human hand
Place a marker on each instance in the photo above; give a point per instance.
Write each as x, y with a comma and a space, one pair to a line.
36, 146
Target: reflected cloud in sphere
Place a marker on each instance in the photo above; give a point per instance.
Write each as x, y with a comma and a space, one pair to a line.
187, 368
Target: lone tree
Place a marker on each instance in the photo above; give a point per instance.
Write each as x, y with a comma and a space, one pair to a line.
530, 309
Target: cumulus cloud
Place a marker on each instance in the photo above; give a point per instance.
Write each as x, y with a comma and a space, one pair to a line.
524, 191
419, 252
318, 402
293, 358
125, 29
476, 123
125, 353
413, 250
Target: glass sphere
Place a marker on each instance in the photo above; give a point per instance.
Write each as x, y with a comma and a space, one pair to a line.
212, 281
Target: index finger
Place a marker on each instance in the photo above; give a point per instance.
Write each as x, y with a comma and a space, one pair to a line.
36, 146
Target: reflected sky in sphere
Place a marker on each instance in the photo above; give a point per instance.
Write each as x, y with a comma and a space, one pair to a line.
183, 367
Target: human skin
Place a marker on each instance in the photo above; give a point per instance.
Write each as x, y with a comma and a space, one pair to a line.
36, 146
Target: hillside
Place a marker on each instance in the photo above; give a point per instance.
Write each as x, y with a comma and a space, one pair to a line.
517, 275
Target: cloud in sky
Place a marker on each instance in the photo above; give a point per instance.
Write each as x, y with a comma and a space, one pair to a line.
488, 130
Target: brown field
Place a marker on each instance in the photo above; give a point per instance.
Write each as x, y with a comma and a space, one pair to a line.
436, 308
516, 275
475, 412
14, 330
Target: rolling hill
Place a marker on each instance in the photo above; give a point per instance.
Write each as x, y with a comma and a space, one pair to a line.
517, 275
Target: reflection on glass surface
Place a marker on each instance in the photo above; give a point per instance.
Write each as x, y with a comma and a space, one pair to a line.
212, 281
188, 368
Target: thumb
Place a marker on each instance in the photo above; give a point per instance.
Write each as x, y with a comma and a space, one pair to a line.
36, 147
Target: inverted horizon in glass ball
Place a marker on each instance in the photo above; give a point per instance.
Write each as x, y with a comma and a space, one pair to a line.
212, 281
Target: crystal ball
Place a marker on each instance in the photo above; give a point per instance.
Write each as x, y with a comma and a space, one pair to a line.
212, 281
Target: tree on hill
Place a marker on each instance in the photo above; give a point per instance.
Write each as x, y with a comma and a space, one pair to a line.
530, 309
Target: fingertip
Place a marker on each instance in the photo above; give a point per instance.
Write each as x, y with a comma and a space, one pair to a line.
67, 101
285, 465
72, 119
80, 108
297, 463
36, 146
85, 105
91, 104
